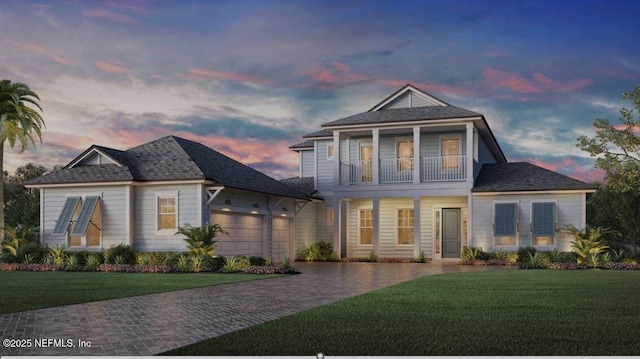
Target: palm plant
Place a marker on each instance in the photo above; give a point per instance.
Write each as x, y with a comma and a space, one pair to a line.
200, 239
19, 118
588, 242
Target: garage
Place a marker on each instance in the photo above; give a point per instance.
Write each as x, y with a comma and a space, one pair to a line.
245, 233
281, 238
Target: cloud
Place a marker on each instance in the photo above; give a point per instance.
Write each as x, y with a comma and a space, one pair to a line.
571, 167
539, 84
242, 78
112, 68
101, 13
33, 48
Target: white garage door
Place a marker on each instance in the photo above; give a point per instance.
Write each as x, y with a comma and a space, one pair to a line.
281, 238
245, 233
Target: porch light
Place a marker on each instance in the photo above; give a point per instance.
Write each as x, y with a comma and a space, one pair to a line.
228, 202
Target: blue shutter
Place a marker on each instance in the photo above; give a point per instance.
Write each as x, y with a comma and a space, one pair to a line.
505, 217
68, 210
544, 220
82, 223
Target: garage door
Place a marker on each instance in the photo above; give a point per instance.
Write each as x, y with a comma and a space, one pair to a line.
280, 238
245, 233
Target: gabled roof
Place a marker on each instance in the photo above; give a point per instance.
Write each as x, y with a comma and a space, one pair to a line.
302, 184
171, 159
321, 133
522, 176
404, 115
302, 145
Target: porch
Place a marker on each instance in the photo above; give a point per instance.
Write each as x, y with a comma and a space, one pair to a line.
401, 170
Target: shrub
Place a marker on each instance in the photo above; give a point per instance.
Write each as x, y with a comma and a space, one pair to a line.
204, 263
421, 258
588, 242
536, 261
373, 257
257, 261
73, 263
318, 252
91, 262
473, 253
143, 259
265, 270
524, 253
34, 267
269, 261
57, 255
128, 254
200, 239
235, 264
183, 264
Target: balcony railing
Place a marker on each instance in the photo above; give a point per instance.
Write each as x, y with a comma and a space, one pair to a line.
400, 170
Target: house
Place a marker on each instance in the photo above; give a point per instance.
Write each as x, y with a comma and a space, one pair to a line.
105, 197
412, 175
416, 174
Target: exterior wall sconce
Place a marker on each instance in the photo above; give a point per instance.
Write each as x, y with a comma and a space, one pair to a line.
228, 202
256, 205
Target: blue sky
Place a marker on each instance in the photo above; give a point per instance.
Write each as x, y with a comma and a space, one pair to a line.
249, 78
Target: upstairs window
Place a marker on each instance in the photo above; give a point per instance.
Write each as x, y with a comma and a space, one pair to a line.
450, 151
405, 155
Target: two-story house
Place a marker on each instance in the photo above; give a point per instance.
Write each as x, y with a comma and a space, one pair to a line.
416, 174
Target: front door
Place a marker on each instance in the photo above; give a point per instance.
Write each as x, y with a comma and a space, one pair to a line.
451, 233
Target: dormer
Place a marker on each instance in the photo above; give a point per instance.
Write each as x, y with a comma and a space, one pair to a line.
98, 155
408, 97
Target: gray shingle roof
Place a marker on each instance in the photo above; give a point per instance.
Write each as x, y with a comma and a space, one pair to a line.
303, 184
321, 133
522, 176
169, 159
305, 144
404, 114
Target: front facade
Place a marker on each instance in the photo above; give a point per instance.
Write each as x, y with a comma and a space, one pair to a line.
416, 175
413, 175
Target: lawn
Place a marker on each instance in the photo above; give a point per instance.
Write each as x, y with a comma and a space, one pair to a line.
22, 291
512, 312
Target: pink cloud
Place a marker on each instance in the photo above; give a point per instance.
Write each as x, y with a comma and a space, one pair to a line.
243, 78
100, 13
39, 6
571, 168
112, 68
34, 48
538, 84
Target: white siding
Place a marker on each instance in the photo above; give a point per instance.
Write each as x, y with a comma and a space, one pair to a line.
569, 212
307, 163
306, 226
113, 212
145, 212
427, 229
325, 167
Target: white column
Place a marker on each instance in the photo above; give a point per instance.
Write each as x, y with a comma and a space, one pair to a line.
376, 223
416, 155
337, 224
470, 154
416, 227
376, 156
336, 158
469, 221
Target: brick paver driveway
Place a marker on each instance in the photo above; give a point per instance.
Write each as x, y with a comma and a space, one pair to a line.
152, 324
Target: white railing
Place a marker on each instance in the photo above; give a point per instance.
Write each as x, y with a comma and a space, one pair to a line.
444, 168
400, 170
396, 170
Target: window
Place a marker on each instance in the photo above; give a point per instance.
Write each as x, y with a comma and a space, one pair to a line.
81, 220
329, 151
436, 229
543, 225
330, 216
465, 218
365, 226
167, 212
450, 151
505, 223
405, 226
405, 155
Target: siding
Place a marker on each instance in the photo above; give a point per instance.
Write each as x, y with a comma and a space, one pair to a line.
409, 99
325, 167
569, 212
484, 156
113, 212
145, 237
306, 226
427, 229
307, 163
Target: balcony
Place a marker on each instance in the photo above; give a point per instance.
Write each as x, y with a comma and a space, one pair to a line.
400, 170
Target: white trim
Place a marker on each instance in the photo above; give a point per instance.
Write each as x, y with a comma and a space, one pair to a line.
403, 124
397, 228
81, 184
92, 151
450, 136
168, 194
41, 215
358, 209
408, 88
212, 195
128, 230
516, 245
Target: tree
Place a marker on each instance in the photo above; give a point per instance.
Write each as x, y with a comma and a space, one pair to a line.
617, 151
20, 118
22, 205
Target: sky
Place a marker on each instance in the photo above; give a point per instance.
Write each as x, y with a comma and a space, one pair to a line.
250, 78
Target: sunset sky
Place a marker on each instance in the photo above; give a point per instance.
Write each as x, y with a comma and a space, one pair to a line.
250, 78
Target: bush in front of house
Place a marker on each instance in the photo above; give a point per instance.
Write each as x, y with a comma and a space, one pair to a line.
318, 252
121, 253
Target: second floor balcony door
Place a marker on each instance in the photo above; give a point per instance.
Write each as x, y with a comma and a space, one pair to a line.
366, 162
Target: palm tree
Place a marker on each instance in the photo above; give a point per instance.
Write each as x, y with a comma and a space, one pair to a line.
19, 119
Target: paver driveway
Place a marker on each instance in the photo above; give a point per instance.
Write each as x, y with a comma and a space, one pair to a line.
155, 323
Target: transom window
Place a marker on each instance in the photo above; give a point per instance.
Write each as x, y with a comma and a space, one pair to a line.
365, 226
405, 226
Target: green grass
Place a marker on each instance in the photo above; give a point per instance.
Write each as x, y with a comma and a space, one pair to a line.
21, 291
511, 312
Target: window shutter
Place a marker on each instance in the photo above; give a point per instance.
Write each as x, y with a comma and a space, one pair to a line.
82, 223
68, 210
544, 220
505, 218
